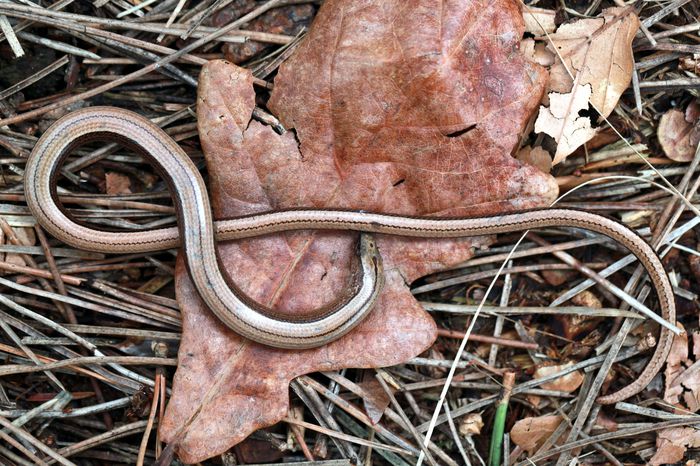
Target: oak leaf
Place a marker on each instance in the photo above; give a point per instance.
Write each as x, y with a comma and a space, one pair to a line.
597, 51
388, 117
593, 57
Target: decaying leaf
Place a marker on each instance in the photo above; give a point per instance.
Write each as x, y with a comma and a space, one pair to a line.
536, 52
116, 183
535, 156
389, 117
679, 134
598, 52
682, 375
587, 299
671, 445
376, 400
471, 424
682, 389
531, 432
566, 383
593, 58
675, 366
539, 21
557, 277
561, 120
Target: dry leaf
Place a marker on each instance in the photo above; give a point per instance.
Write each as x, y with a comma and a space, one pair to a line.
558, 277
561, 121
682, 375
671, 445
575, 326
376, 399
421, 125
674, 135
116, 183
536, 52
593, 63
692, 114
539, 21
675, 366
691, 64
598, 52
255, 451
587, 298
471, 424
566, 383
535, 156
531, 432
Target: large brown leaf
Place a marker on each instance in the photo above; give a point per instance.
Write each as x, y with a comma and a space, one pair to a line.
379, 94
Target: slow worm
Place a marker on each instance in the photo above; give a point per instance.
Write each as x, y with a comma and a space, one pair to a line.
197, 234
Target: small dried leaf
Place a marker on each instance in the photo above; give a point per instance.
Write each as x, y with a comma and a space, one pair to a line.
377, 400
539, 20
254, 451
682, 376
471, 425
116, 183
587, 299
674, 136
536, 52
691, 64
692, 111
537, 157
289, 20
671, 445
561, 120
531, 432
574, 326
566, 383
558, 277
675, 365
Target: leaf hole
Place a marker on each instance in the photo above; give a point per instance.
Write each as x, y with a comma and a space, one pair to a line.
398, 182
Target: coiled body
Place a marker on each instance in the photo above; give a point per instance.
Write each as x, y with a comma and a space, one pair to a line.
197, 234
